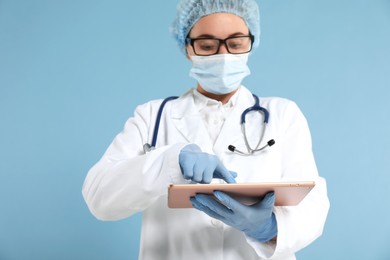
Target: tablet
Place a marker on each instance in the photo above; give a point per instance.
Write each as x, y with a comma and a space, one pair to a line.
286, 193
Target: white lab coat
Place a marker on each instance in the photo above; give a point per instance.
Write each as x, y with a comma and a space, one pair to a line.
126, 181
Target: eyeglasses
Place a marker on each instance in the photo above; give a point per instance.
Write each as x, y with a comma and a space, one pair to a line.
210, 46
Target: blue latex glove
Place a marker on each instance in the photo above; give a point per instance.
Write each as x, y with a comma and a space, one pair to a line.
202, 167
257, 221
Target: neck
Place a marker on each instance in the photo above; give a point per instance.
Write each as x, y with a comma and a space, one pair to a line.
224, 98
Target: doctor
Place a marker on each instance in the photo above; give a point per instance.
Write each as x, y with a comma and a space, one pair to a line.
217, 36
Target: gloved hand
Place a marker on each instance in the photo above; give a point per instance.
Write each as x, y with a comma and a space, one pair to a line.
257, 221
202, 167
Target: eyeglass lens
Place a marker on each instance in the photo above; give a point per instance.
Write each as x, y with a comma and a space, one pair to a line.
234, 45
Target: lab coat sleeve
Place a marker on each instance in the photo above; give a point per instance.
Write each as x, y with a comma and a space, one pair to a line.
126, 180
300, 225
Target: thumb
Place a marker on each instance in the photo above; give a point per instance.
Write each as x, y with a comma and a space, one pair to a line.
267, 202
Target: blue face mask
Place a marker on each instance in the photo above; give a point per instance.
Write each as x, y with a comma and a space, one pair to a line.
220, 74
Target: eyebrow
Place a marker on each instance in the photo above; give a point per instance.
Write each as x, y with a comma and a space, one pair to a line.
213, 37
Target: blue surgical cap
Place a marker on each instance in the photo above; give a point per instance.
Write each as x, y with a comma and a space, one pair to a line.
190, 11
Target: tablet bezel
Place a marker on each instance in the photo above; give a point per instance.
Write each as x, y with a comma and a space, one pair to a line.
286, 193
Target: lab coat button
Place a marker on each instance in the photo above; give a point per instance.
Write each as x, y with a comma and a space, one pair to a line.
216, 222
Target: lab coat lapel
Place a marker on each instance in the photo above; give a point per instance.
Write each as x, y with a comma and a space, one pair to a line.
188, 121
231, 130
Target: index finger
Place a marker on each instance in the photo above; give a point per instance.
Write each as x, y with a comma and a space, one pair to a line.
222, 173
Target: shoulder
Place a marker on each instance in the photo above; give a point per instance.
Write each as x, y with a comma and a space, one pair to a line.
152, 106
282, 109
285, 113
274, 102
167, 99
278, 103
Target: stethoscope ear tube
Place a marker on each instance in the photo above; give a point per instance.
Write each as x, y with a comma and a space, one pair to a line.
233, 149
147, 148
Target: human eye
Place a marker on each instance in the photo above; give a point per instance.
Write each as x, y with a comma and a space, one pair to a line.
236, 43
206, 45
239, 44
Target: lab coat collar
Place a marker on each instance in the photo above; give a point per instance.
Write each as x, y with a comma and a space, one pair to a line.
186, 117
190, 101
201, 100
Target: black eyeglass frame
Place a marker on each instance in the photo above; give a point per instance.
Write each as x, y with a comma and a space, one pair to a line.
191, 41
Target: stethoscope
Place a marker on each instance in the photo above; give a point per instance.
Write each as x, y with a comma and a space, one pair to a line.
250, 151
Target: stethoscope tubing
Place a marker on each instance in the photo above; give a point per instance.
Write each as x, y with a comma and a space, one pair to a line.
158, 119
256, 107
148, 147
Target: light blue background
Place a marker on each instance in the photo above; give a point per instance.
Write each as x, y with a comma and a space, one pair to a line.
72, 72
